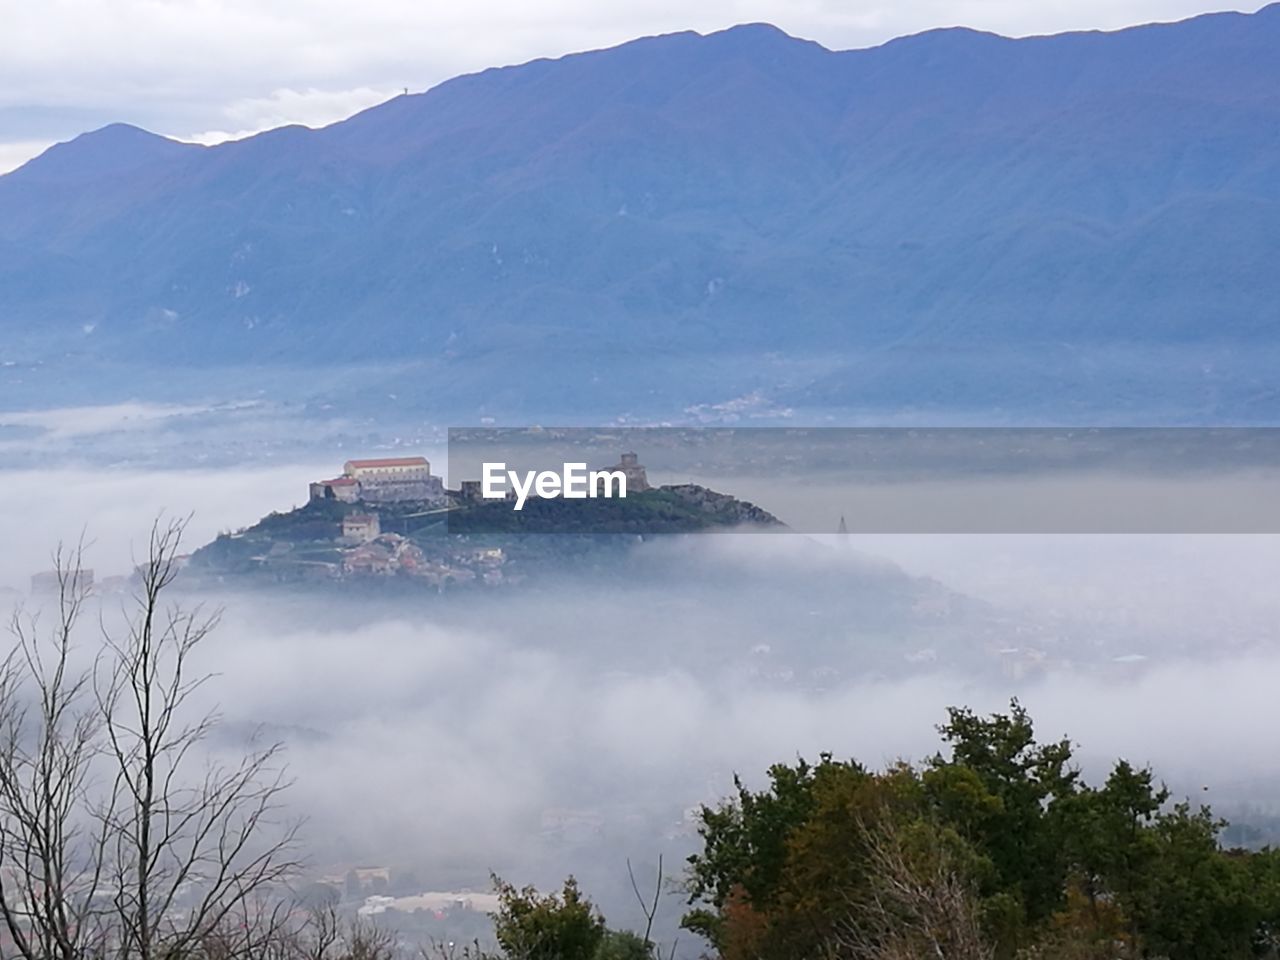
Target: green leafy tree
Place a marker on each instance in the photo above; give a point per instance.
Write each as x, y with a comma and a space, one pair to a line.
996, 850
1111, 845
1195, 902
533, 926
1018, 818
742, 872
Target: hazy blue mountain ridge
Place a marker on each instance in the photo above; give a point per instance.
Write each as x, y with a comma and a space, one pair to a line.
743, 193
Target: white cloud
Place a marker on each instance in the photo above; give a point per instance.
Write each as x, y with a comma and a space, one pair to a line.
311, 108
67, 422
18, 152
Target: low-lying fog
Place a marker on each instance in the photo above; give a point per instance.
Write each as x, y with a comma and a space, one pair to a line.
567, 728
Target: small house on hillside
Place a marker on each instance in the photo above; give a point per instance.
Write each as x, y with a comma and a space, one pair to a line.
361, 527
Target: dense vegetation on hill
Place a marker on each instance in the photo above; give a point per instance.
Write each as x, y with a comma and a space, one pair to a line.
995, 848
682, 508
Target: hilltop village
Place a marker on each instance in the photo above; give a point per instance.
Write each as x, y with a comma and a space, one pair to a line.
377, 510
392, 518
384, 487
365, 549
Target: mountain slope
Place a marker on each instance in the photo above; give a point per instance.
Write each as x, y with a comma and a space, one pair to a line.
733, 195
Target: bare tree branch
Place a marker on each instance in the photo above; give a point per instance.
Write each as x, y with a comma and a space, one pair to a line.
918, 905
116, 838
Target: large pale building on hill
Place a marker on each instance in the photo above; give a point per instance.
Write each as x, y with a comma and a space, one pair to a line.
388, 469
382, 480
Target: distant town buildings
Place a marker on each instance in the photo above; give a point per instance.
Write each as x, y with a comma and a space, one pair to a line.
365, 548
385, 554
430, 902
50, 582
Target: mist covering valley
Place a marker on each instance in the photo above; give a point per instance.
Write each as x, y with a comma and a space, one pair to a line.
570, 725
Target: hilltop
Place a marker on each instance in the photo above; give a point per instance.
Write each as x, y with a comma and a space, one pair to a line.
465, 543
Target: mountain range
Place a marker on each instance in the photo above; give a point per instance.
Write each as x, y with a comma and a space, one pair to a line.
953, 218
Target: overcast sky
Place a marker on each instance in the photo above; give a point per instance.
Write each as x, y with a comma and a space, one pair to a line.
209, 70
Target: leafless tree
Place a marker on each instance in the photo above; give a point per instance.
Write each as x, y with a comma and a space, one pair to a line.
51, 855
117, 840
327, 936
322, 934
918, 906
649, 907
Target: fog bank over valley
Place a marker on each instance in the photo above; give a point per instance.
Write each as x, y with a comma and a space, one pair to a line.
568, 724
